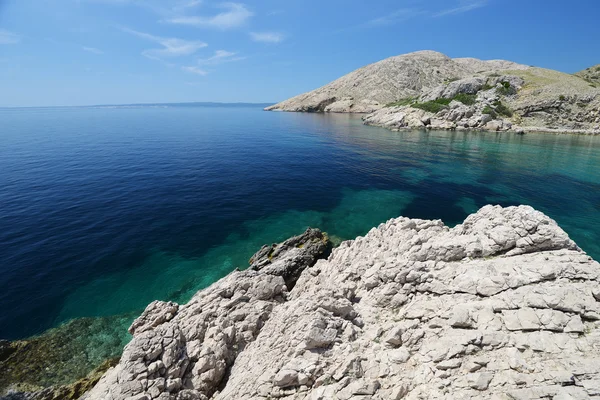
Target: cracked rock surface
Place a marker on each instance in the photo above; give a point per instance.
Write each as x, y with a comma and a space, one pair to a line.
503, 306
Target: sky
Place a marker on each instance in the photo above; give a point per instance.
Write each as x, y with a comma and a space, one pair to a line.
88, 52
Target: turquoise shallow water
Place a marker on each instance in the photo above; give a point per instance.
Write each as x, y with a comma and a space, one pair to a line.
104, 210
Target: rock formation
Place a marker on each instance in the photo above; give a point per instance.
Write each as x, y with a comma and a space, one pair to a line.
372, 87
416, 91
503, 306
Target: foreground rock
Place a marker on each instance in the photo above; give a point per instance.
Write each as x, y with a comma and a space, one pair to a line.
504, 306
398, 92
187, 351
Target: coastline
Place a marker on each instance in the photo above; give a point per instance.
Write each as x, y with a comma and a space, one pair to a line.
519, 130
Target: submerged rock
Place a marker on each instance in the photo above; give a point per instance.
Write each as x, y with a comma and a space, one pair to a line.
503, 306
71, 391
62, 356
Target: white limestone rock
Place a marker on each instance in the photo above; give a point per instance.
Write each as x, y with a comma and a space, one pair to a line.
502, 306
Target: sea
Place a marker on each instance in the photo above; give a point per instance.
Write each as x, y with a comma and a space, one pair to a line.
105, 209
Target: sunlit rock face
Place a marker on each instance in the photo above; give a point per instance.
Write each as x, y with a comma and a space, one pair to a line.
502, 306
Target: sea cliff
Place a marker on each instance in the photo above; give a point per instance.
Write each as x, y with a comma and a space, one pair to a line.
503, 306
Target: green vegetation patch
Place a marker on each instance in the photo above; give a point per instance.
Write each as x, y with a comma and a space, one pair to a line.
468, 99
433, 106
562, 97
489, 111
402, 102
438, 105
503, 109
506, 89
497, 109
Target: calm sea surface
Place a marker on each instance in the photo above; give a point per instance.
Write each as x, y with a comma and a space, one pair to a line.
103, 210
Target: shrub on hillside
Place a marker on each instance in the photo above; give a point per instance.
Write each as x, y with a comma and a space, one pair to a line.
402, 102
468, 99
433, 106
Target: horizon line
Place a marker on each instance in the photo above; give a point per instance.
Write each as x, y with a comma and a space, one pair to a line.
145, 104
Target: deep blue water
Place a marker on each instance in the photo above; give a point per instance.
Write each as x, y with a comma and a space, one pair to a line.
103, 210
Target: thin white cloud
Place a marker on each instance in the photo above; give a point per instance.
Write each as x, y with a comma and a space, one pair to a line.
220, 57
267, 37
234, 16
165, 9
400, 15
7, 37
172, 47
92, 50
462, 7
405, 14
195, 70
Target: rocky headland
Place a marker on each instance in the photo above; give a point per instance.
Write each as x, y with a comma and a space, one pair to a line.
502, 306
428, 90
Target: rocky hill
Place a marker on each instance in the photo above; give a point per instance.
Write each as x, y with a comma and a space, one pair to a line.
432, 91
503, 306
371, 87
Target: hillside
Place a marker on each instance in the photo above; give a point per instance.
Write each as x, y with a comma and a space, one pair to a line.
375, 85
430, 90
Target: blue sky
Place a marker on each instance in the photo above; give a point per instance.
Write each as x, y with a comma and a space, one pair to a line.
81, 52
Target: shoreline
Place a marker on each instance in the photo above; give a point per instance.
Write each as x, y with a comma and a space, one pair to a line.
522, 129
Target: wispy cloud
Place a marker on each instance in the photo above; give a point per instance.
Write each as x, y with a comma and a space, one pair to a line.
165, 9
195, 70
7, 37
462, 7
400, 15
172, 47
220, 57
234, 16
187, 4
92, 50
405, 14
267, 37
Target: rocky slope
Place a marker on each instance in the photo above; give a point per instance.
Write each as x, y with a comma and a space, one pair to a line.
591, 74
503, 306
432, 91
